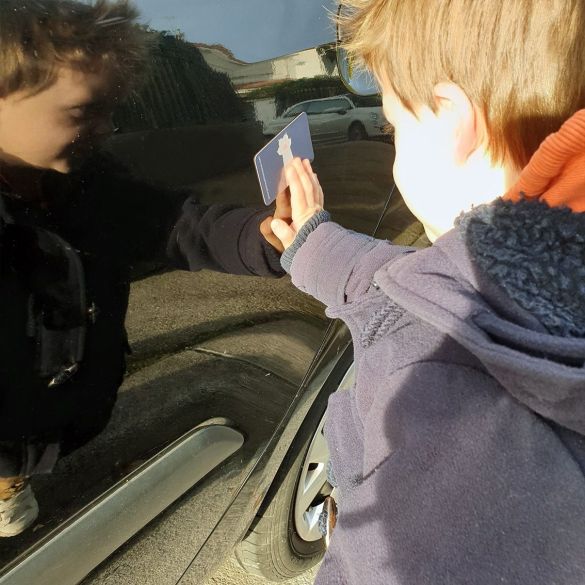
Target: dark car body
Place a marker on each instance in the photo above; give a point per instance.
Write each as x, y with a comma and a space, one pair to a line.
227, 373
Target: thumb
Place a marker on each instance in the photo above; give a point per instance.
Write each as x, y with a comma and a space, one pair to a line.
283, 232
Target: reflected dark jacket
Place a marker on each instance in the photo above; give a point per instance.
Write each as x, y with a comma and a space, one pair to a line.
460, 450
118, 227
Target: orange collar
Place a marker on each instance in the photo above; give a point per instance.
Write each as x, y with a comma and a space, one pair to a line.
556, 171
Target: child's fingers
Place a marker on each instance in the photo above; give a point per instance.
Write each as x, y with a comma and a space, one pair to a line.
285, 233
283, 205
312, 175
319, 197
269, 235
306, 193
309, 168
297, 191
306, 181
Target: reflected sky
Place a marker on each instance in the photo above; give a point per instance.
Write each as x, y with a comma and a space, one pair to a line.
253, 30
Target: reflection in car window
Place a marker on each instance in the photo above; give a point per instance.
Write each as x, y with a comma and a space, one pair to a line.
210, 344
338, 104
295, 111
90, 211
370, 101
318, 107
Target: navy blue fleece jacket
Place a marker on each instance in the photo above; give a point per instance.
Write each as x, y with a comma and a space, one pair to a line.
460, 450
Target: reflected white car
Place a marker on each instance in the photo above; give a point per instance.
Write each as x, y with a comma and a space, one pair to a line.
335, 118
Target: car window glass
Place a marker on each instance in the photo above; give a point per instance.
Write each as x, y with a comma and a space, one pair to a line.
206, 334
339, 104
318, 107
295, 111
367, 101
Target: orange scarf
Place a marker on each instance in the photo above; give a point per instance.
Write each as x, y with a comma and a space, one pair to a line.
556, 171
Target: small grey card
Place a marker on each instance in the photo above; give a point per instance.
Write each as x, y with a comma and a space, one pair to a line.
292, 141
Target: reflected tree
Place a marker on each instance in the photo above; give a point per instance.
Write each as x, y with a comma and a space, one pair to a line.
179, 89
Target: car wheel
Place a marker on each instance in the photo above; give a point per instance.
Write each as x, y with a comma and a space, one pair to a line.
357, 131
284, 540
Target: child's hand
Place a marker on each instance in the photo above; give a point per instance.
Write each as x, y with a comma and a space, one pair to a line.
283, 212
306, 198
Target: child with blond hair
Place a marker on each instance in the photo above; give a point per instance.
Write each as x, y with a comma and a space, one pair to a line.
460, 451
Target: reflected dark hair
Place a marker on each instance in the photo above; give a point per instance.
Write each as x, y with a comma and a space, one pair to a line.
38, 37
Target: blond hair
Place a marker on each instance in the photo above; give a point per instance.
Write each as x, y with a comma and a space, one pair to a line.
521, 61
38, 37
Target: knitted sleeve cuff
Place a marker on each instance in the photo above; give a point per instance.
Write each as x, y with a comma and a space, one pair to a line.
287, 257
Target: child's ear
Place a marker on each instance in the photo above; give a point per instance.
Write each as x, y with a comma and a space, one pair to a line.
461, 114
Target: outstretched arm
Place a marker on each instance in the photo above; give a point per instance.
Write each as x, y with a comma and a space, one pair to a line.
168, 226
225, 238
329, 262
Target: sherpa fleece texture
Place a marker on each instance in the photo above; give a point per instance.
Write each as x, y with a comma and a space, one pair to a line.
460, 452
537, 255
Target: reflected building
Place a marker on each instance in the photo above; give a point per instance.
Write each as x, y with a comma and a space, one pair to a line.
195, 83
259, 83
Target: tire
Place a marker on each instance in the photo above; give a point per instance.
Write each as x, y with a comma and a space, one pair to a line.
273, 547
278, 545
357, 131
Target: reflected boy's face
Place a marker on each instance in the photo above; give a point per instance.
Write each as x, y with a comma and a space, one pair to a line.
60, 124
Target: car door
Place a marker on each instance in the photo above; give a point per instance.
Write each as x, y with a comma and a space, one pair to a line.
321, 119
219, 361
275, 125
339, 118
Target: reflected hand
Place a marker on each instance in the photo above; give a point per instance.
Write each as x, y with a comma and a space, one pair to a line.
306, 199
283, 212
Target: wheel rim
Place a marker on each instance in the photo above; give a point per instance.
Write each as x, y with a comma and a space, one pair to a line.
313, 486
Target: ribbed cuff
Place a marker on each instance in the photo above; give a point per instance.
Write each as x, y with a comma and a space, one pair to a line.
288, 255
